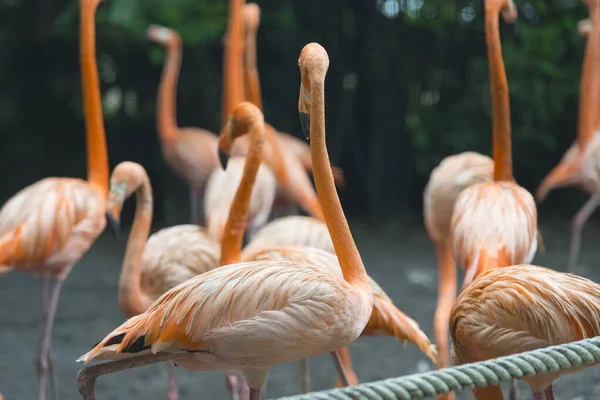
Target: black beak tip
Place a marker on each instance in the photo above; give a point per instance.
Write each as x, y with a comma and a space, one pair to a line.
305, 123
114, 224
223, 159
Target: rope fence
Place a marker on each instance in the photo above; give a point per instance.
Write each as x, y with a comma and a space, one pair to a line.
468, 376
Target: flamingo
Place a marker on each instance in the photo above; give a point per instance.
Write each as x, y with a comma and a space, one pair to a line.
48, 226
511, 236
152, 266
569, 171
453, 175
190, 152
294, 183
385, 319
222, 184
522, 308
251, 316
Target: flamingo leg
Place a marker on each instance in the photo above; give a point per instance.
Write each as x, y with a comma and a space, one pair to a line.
194, 206
255, 394
172, 394
579, 221
538, 396
549, 392
304, 376
446, 299
340, 368
232, 385
44, 359
46, 287
514, 390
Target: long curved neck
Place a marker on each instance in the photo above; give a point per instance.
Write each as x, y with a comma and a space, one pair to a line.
167, 97
589, 90
251, 77
500, 105
233, 61
231, 248
97, 155
345, 248
131, 298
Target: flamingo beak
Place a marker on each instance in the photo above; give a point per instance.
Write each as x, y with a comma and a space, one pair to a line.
223, 158
305, 123
114, 224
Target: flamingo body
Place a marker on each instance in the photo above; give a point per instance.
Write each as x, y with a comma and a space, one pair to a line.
174, 255
494, 225
246, 316
522, 308
293, 230
385, 319
192, 155
454, 174
48, 226
220, 192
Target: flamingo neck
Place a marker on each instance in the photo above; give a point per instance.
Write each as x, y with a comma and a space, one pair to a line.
500, 102
231, 248
251, 77
233, 61
97, 155
131, 297
167, 98
345, 248
590, 82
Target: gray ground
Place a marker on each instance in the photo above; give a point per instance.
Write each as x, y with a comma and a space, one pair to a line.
401, 259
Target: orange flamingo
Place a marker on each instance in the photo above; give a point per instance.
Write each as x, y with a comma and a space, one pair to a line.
152, 266
522, 308
453, 175
222, 185
48, 226
386, 318
511, 237
569, 171
190, 152
294, 183
253, 315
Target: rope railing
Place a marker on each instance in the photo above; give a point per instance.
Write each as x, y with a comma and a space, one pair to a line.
468, 376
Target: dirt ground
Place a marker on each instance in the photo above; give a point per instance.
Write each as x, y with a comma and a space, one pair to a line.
400, 258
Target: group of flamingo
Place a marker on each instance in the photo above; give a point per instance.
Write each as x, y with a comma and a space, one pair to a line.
197, 298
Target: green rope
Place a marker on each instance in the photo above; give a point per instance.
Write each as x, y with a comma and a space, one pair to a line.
468, 376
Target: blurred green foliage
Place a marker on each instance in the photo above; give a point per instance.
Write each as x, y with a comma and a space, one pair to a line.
407, 86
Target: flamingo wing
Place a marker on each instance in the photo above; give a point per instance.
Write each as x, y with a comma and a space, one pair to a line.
494, 220
386, 318
176, 254
522, 308
247, 310
290, 231
221, 189
52, 222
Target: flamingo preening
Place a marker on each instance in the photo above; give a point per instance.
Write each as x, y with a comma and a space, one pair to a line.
250, 316
48, 226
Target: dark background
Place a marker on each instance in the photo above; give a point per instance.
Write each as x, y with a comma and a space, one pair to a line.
402, 93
